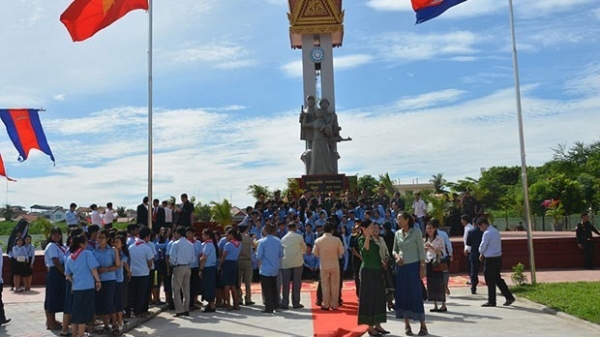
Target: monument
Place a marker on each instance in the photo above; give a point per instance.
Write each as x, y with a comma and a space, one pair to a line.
316, 27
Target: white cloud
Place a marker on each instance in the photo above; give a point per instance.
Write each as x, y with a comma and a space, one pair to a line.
390, 5
59, 97
224, 56
429, 99
412, 47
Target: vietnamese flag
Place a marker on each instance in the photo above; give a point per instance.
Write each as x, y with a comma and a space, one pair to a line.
84, 18
3, 170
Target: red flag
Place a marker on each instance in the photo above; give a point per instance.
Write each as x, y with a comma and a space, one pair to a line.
84, 18
3, 171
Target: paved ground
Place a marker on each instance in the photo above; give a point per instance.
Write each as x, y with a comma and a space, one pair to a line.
464, 318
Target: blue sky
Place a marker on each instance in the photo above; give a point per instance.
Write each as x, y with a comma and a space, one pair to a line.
417, 100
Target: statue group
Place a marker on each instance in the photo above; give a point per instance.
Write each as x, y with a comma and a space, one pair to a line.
320, 130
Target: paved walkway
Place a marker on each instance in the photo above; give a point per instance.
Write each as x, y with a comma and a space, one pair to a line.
464, 318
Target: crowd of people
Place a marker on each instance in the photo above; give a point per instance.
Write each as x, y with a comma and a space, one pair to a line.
372, 240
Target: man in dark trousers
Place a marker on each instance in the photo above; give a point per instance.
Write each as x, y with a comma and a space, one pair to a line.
142, 212
185, 212
473, 241
584, 240
490, 253
158, 216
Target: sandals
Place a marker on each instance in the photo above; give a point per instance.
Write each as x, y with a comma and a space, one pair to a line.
423, 332
408, 331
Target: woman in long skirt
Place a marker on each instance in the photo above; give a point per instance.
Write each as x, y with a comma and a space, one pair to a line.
436, 289
54, 258
371, 305
409, 253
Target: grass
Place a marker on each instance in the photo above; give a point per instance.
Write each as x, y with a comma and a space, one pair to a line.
580, 299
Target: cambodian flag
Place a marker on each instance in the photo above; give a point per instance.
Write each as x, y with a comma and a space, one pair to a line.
429, 9
3, 170
25, 131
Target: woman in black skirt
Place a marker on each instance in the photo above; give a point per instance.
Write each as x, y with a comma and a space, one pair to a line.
371, 305
54, 258
436, 290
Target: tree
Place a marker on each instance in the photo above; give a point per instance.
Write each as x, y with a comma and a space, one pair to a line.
256, 190
559, 187
121, 212
438, 182
221, 212
367, 183
388, 184
8, 212
202, 212
293, 190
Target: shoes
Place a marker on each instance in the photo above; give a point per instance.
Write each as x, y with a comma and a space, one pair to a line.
298, 306
473, 291
434, 310
468, 283
180, 314
284, 307
267, 311
233, 308
319, 303
209, 309
249, 303
382, 331
509, 302
391, 307
324, 308
488, 304
374, 334
408, 331
6, 321
66, 334
442, 309
423, 332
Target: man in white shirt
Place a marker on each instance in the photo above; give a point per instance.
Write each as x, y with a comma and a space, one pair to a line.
465, 220
419, 208
109, 216
168, 213
490, 253
180, 258
3, 319
291, 266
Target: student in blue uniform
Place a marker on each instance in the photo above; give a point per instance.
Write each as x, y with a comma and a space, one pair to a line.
54, 258
208, 269
20, 256
109, 262
229, 267
81, 270
141, 261
190, 234
119, 244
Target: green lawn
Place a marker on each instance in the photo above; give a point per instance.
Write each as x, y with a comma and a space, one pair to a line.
581, 299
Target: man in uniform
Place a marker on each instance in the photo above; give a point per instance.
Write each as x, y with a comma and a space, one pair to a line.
584, 240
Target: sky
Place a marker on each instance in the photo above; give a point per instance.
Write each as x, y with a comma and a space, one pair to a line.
415, 99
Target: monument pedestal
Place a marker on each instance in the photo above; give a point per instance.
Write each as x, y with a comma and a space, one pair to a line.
326, 183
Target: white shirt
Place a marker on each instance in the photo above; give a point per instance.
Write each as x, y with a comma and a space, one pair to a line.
96, 218
420, 208
168, 214
491, 243
182, 252
1, 262
109, 216
468, 228
293, 250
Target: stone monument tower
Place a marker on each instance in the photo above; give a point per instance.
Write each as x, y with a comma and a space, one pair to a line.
316, 27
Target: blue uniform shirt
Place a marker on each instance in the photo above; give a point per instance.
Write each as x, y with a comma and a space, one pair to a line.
491, 243
233, 249
208, 250
139, 255
80, 269
447, 242
106, 258
269, 253
119, 274
311, 260
197, 251
54, 251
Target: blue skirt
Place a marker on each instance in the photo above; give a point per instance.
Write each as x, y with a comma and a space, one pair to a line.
229, 272
83, 306
55, 291
409, 292
68, 298
209, 283
105, 298
119, 296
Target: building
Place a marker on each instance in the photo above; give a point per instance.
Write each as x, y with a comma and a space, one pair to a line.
53, 213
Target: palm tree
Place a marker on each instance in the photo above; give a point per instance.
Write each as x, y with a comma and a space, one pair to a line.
293, 190
202, 211
121, 212
7, 213
438, 182
388, 184
256, 190
221, 213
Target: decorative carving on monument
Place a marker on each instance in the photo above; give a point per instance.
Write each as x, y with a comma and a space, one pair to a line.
316, 17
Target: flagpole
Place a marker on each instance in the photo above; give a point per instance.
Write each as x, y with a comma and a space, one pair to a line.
150, 150
522, 143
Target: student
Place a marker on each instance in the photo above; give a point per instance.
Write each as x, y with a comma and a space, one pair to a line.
28, 270
3, 319
229, 267
141, 258
81, 271
269, 254
119, 244
92, 235
108, 263
208, 269
20, 256
54, 258
190, 234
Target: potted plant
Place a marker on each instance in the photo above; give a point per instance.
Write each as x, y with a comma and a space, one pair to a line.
555, 210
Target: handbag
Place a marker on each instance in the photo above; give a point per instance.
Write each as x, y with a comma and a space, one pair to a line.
440, 265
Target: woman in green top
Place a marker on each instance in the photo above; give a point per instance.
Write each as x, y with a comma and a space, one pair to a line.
371, 305
409, 253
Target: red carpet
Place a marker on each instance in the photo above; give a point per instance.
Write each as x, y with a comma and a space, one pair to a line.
338, 323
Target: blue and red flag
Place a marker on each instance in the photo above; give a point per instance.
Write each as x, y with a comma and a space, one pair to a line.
25, 131
429, 9
3, 170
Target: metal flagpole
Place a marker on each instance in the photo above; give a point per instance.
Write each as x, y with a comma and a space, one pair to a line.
150, 161
522, 142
